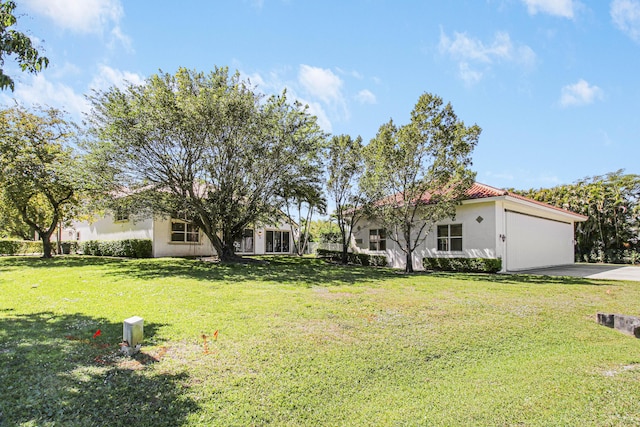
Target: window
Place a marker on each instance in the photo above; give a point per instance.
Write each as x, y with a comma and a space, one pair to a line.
245, 243
183, 231
277, 242
121, 214
450, 237
377, 239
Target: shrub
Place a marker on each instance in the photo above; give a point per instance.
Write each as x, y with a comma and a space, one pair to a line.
353, 258
467, 265
17, 247
130, 248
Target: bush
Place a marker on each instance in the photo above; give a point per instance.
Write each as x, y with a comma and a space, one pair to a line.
466, 265
129, 248
353, 258
18, 247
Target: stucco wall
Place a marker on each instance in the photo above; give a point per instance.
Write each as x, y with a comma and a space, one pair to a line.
478, 238
106, 229
164, 247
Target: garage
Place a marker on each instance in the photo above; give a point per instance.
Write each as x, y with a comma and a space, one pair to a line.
533, 242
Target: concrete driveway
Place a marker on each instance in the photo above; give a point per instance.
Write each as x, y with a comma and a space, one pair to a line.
590, 271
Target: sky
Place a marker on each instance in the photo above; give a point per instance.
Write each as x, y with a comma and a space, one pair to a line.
554, 84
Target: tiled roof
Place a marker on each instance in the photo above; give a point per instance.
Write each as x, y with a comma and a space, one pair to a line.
481, 191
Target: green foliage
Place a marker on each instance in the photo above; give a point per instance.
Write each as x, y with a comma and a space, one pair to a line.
611, 203
206, 145
323, 231
344, 169
129, 248
13, 42
353, 258
465, 265
38, 166
20, 247
419, 172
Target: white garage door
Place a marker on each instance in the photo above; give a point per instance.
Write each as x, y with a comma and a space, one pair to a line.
537, 242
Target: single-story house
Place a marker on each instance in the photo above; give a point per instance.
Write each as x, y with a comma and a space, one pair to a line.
489, 223
177, 237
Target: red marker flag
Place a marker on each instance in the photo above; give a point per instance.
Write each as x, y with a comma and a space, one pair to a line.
97, 334
215, 335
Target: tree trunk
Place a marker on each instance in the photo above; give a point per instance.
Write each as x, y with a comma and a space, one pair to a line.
409, 266
409, 252
345, 258
46, 245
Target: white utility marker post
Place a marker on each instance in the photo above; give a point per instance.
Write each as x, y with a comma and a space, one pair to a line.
132, 333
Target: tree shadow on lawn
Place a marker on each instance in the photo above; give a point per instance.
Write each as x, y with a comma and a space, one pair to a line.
54, 371
305, 272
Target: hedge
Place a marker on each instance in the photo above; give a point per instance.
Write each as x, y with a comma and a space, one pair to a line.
466, 265
130, 248
17, 247
353, 258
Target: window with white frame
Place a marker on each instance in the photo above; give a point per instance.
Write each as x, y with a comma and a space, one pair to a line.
184, 231
450, 237
245, 243
377, 239
277, 241
121, 214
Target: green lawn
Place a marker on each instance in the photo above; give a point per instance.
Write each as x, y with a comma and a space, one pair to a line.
301, 342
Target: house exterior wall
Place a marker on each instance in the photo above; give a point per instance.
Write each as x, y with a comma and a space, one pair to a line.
164, 247
105, 228
158, 229
478, 237
523, 234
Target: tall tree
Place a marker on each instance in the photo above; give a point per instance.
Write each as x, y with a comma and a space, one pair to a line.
344, 168
37, 168
205, 145
13, 42
418, 173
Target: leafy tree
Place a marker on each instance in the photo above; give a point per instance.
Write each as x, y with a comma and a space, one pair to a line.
38, 166
300, 204
344, 167
611, 203
11, 224
324, 231
13, 42
418, 173
205, 145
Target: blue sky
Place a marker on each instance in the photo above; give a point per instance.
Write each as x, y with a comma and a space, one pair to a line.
554, 84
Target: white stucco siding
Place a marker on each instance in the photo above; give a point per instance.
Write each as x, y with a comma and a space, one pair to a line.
478, 238
105, 228
478, 235
164, 247
533, 242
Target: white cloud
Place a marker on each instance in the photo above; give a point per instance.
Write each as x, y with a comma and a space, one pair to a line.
469, 75
321, 83
108, 77
365, 96
626, 17
83, 16
580, 93
40, 91
562, 8
474, 55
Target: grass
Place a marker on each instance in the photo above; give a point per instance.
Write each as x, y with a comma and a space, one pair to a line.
301, 342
